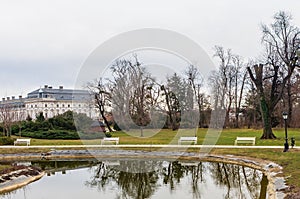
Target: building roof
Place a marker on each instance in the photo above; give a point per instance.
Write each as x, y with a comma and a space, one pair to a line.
12, 103
60, 94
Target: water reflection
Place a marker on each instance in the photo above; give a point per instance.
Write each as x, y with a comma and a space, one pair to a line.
126, 179
238, 181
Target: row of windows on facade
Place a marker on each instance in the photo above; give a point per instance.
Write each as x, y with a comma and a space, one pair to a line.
57, 105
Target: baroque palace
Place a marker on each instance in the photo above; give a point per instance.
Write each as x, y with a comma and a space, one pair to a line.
50, 102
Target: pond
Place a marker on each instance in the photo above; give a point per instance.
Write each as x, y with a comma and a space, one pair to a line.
139, 179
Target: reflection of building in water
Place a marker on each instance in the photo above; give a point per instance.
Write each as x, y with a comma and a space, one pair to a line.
50, 102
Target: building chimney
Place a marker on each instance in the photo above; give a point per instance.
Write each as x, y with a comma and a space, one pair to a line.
8, 98
13, 97
20, 96
50, 87
61, 87
3, 99
46, 86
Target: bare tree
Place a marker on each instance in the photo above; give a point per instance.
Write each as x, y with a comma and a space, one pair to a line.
240, 75
196, 81
252, 106
19, 116
141, 100
7, 116
102, 99
281, 40
222, 81
121, 88
134, 93
170, 101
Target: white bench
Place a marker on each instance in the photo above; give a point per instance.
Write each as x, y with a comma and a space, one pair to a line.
187, 139
245, 140
21, 141
116, 139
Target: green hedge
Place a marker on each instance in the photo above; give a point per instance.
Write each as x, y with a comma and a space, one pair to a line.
6, 141
62, 135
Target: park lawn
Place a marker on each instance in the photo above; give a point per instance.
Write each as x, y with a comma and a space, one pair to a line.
225, 137
228, 136
41, 142
167, 136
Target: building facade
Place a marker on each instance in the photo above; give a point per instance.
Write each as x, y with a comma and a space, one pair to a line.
50, 102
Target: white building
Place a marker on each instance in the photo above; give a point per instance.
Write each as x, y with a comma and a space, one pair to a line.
50, 102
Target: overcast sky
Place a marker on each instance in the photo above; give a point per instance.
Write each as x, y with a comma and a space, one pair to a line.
46, 42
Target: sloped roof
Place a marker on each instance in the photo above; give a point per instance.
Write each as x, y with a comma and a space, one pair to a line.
60, 94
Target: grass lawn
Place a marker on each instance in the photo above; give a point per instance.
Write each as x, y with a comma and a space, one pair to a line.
226, 137
166, 136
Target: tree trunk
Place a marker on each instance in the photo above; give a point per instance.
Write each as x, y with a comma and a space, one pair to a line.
236, 124
106, 122
267, 121
101, 105
263, 187
142, 132
226, 123
290, 103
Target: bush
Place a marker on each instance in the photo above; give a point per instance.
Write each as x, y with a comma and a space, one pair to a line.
53, 134
62, 135
6, 141
108, 134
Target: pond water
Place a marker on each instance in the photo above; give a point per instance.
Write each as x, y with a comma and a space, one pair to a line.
139, 179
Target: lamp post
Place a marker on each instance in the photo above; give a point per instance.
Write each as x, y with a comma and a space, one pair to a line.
286, 144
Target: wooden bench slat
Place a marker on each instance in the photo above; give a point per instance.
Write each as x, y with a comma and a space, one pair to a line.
187, 139
245, 140
22, 140
115, 139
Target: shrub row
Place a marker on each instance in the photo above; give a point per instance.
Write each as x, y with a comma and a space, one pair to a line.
62, 135
6, 141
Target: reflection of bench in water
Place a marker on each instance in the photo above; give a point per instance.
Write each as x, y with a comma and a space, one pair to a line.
190, 164
245, 140
22, 141
116, 139
112, 163
187, 139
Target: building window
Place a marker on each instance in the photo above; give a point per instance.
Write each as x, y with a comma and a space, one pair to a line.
57, 105
35, 106
31, 106
46, 105
68, 105
63, 105
79, 105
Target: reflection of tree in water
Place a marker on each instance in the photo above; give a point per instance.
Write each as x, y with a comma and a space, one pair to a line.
237, 179
131, 176
176, 171
134, 181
